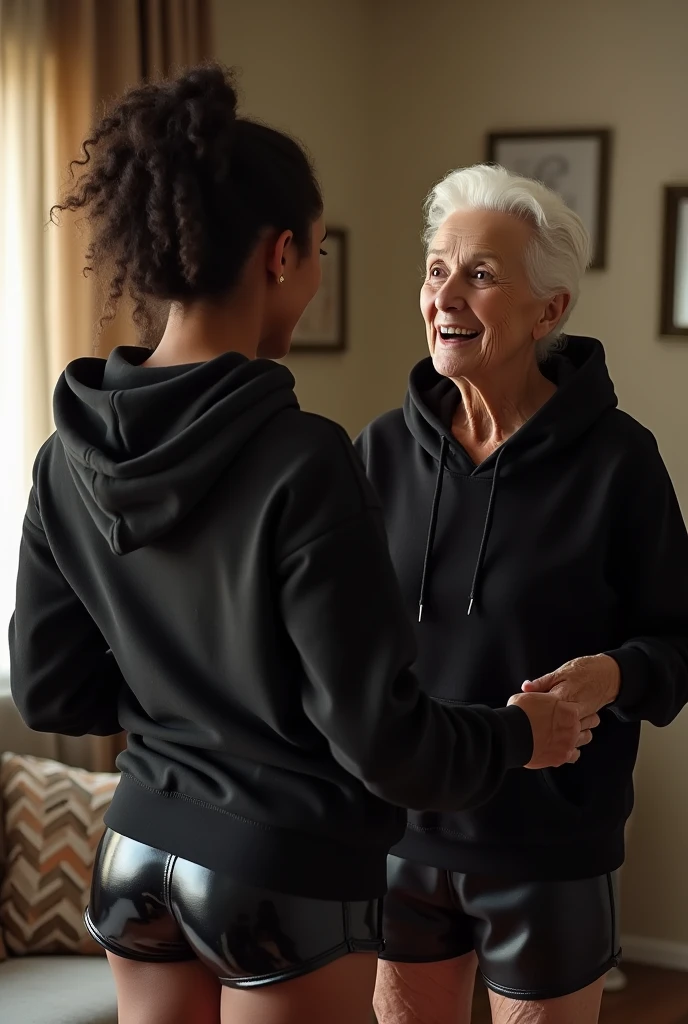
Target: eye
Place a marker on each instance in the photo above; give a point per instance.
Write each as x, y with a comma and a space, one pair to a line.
436, 270
483, 275
323, 253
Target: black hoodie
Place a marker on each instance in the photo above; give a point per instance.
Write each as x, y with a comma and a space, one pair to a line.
567, 541
204, 566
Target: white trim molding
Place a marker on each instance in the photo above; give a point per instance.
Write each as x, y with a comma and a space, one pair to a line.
655, 952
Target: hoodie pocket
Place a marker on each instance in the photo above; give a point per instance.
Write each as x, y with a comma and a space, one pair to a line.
551, 805
530, 807
563, 790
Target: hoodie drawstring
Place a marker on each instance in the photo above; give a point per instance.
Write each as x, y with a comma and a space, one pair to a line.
486, 534
433, 524
434, 512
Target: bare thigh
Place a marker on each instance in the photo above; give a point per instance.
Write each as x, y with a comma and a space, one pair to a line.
341, 993
579, 1008
176, 993
432, 993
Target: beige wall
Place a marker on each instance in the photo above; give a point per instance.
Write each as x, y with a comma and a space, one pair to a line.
304, 67
390, 94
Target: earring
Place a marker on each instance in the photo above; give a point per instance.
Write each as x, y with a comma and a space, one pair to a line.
281, 279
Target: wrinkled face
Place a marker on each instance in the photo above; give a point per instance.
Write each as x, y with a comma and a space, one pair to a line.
302, 276
476, 299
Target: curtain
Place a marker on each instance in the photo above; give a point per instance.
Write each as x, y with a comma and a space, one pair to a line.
61, 63
99, 48
24, 408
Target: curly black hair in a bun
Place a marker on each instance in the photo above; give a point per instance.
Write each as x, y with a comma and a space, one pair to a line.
177, 189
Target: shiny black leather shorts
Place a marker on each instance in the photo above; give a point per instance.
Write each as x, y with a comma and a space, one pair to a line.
148, 905
533, 940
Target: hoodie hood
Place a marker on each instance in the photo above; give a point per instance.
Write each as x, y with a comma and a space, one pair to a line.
584, 393
145, 445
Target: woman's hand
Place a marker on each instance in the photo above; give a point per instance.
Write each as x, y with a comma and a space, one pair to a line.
558, 730
592, 683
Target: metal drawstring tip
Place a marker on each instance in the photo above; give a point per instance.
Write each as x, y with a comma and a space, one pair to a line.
470, 607
420, 612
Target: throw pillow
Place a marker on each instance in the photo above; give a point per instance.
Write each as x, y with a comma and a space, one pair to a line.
53, 823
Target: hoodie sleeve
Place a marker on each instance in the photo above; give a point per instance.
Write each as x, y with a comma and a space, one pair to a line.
62, 675
651, 557
343, 609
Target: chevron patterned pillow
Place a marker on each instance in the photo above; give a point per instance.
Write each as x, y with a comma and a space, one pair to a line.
53, 823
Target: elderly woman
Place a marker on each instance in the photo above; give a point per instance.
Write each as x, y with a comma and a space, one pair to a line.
536, 532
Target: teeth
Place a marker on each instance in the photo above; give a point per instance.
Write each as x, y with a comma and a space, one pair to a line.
462, 331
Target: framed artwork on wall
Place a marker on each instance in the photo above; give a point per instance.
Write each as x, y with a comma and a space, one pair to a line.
323, 325
575, 163
674, 300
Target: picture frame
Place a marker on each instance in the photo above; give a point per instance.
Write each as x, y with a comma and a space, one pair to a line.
674, 289
323, 325
574, 162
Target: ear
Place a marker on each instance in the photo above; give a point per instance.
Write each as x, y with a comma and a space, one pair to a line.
551, 315
277, 254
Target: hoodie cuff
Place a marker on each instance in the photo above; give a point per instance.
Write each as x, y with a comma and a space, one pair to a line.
518, 736
635, 672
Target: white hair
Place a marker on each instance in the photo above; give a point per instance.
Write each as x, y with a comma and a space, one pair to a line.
559, 253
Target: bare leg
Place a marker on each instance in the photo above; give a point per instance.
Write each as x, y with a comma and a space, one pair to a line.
341, 993
177, 993
434, 993
579, 1008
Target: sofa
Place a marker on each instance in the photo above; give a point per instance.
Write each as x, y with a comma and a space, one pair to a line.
48, 989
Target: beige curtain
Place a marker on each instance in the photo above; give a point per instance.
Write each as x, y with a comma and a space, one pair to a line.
24, 409
61, 63
23, 251
98, 48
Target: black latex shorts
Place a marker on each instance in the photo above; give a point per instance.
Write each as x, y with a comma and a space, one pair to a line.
151, 906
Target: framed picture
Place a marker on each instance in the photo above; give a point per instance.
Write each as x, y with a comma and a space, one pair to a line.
573, 163
674, 309
322, 327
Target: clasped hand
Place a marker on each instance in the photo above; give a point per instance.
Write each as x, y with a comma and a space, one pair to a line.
563, 707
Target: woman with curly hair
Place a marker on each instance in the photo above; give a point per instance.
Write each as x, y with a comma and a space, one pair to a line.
204, 566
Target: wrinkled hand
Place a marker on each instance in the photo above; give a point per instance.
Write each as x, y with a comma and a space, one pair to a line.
558, 730
591, 683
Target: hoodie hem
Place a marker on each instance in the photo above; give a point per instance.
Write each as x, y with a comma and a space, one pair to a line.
565, 860
260, 855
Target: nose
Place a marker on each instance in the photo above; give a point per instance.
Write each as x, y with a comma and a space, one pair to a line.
450, 298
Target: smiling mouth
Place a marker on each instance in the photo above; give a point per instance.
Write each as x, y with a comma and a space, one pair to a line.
452, 333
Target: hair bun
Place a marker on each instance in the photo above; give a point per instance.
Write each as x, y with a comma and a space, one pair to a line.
200, 115
212, 84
